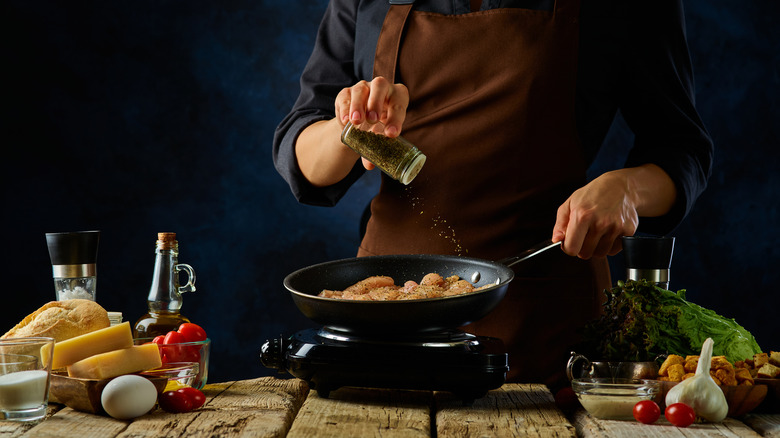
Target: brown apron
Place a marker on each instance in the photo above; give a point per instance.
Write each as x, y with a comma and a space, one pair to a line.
492, 107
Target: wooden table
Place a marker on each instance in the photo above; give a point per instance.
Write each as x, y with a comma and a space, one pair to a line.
270, 407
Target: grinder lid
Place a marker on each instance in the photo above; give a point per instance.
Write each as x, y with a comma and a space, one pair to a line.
648, 252
73, 247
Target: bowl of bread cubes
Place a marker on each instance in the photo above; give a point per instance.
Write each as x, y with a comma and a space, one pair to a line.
749, 384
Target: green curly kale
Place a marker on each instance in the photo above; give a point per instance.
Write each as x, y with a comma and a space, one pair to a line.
642, 321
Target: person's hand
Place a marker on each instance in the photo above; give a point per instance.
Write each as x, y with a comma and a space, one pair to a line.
375, 101
591, 222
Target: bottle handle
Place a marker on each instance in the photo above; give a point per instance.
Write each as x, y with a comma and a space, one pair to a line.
190, 286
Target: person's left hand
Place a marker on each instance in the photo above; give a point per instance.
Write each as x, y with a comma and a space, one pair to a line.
591, 222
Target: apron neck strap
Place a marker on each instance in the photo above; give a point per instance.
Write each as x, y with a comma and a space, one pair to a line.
389, 43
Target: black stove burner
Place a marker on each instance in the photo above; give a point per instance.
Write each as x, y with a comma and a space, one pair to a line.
451, 360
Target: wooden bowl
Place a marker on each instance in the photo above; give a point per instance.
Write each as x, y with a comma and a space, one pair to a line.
84, 394
741, 398
771, 403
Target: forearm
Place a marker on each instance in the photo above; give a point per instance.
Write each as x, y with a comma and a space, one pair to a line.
322, 157
594, 217
653, 191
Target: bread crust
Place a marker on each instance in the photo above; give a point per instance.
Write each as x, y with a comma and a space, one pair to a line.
62, 320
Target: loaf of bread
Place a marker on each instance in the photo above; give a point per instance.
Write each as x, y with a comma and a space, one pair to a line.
62, 320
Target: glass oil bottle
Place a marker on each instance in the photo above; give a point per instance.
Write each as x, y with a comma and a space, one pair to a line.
165, 298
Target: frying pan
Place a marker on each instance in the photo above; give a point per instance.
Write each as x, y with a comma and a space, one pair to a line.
407, 316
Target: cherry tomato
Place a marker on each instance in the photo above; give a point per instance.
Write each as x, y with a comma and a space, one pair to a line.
566, 399
173, 338
647, 412
175, 402
680, 414
192, 332
196, 397
159, 340
175, 353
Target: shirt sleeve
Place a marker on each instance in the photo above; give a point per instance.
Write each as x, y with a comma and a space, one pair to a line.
329, 69
657, 102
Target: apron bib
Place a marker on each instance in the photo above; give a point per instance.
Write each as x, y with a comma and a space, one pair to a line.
492, 107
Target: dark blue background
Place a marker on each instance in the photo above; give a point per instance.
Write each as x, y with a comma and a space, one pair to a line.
144, 116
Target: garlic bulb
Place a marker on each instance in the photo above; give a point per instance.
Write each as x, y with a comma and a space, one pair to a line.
701, 392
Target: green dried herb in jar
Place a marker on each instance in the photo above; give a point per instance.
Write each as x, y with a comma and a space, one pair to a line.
396, 157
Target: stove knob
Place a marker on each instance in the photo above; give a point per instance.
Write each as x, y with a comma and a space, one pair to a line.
272, 354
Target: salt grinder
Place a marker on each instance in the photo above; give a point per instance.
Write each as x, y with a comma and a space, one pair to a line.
74, 263
648, 258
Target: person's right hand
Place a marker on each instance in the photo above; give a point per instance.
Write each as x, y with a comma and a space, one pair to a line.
375, 101
322, 157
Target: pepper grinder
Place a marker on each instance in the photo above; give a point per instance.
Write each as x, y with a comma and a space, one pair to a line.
648, 258
74, 263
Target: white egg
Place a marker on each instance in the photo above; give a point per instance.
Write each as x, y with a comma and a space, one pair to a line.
128, 396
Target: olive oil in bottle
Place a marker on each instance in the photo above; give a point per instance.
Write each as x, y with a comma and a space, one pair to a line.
165, 298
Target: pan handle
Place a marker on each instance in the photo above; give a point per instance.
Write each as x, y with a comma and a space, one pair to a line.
527, 254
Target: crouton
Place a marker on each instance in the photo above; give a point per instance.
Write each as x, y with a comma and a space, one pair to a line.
670, 360
768, 371
720, 362
774, 358
715, 378
743, 375
676, 372
726, 376
760, 359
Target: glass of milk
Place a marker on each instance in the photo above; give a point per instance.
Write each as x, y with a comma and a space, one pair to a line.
25, 372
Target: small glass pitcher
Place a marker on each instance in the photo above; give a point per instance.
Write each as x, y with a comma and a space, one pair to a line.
580, 366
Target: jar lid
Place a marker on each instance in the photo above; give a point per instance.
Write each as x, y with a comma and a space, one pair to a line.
413, 168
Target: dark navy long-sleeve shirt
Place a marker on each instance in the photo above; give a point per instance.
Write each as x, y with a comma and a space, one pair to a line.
633, 58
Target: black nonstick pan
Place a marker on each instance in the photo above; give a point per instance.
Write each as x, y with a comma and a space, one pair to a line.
401, 317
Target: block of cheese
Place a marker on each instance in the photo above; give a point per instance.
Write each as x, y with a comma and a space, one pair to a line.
99, 341
117, 362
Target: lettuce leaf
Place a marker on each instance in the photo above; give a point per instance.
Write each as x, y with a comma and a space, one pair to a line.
642, 321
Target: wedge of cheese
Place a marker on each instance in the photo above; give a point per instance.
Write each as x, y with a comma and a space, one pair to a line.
99, 341
117, 362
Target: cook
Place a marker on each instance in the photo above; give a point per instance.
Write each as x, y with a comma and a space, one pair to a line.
510, 101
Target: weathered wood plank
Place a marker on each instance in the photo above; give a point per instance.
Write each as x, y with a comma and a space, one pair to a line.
263, 407
13, 429
69, 422
767, 425
208, 423
511, 411
262, 393
351, 412
588, 426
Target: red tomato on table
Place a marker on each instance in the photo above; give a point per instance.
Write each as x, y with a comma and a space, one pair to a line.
181, 400
647, 412
680, 414
174, 402
196, 397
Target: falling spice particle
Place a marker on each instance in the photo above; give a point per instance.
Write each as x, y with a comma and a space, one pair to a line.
439, 225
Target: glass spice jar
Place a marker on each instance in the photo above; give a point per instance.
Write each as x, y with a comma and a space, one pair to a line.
396, 157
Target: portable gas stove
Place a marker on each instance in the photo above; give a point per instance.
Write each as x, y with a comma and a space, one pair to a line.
449, 360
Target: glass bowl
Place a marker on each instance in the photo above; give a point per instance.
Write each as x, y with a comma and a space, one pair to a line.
178, 373
613, 399
197, 352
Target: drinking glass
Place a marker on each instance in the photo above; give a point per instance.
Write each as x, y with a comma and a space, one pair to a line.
25, 373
